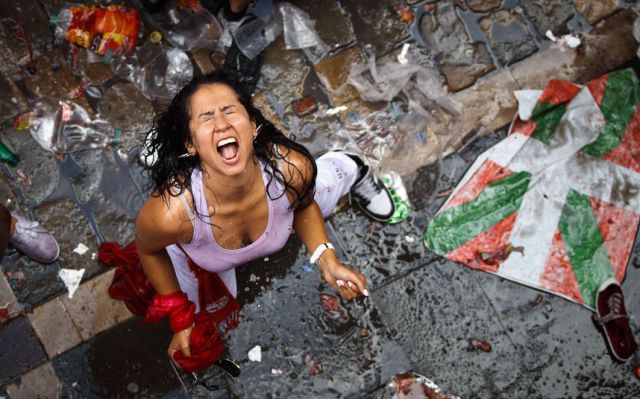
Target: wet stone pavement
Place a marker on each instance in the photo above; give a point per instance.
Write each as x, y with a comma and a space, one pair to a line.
423, 310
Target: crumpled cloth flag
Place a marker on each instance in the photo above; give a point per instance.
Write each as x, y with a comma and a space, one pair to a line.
555, 205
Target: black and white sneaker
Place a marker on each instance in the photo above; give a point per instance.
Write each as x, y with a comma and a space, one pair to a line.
369, 194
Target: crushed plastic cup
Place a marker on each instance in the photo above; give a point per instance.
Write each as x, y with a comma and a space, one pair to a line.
157, 70
65, 127
254, 36
190, 26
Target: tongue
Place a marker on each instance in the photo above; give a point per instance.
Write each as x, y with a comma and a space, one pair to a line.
229, 151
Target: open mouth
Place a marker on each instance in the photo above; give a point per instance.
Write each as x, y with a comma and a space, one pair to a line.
228, 149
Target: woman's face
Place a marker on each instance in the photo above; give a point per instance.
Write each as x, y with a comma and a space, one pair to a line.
221, 129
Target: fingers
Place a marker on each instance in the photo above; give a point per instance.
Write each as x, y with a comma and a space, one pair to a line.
180, 342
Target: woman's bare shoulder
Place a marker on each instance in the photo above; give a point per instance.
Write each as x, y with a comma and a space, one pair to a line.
162, 221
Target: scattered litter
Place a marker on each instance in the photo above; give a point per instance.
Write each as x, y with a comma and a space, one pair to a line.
11, 310
305, 106
333, 111
405, 14
99, 28
7, 156
409, 238
21, 122
314, 367
133, 387
402, 57
536, 301
551, 36
155, 37
307, 268
476, 344
255, 354
364, 332
189, 26
410, 385
157, 70
497, 257
71, 279
570, 41
266, 259
81, 249
332, 307
64, 126
254, 36
276, 371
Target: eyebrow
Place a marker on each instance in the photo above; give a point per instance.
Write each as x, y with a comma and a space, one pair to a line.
210, 113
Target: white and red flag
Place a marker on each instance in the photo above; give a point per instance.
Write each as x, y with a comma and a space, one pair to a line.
554, 205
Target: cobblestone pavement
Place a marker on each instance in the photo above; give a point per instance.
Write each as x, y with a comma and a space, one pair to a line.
422, 310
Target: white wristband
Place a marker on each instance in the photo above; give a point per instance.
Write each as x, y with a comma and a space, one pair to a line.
319, 251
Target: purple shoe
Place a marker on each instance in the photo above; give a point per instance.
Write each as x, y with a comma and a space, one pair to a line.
34, 240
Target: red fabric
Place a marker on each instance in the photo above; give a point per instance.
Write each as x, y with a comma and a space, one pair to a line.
205, 344
175, 305
218, 307
129, 283
216, 302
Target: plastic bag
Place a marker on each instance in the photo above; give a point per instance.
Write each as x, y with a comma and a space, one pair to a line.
189, 26
299, 29
99, 28
67, 127
158, 71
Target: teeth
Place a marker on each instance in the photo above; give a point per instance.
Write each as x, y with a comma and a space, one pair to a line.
226, 141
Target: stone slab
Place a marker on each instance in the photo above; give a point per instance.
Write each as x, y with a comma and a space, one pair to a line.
562, 349
92, 309
508, 36
54, 327
6, 293
334, 71
442, 301
376, 24
597, 10
477, 116
604, 48
125, 362
461, 61
553, 15
21, 350
41, 382
339, 32
287, 320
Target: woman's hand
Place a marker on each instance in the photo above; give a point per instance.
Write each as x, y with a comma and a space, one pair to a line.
349, 283
180, 341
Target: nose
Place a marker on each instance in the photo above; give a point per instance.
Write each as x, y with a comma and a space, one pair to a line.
220, 123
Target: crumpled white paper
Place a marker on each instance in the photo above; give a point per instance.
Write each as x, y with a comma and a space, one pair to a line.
255, 354
71, 279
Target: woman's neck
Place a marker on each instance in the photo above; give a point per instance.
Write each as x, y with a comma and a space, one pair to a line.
233, 188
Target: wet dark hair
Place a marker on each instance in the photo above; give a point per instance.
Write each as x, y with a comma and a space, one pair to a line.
171, 174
